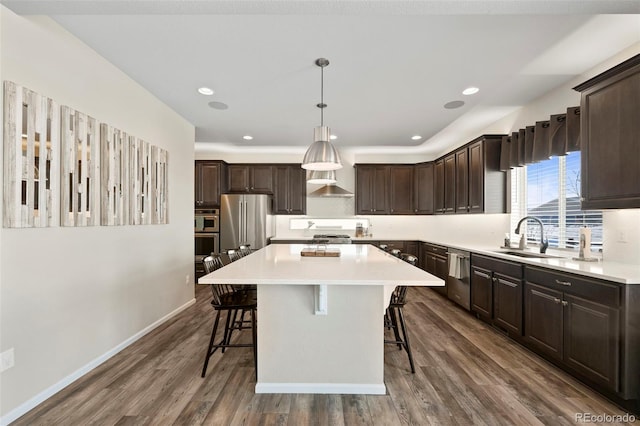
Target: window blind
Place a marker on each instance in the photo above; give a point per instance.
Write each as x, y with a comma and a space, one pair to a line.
551, 191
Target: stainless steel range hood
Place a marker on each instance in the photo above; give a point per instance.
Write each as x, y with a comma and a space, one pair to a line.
331, 191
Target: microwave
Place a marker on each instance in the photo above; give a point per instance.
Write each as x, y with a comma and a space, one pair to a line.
207, 221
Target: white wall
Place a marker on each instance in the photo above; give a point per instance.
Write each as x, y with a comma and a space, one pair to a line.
68, 296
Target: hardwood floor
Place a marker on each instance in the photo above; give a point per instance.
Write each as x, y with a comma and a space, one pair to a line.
466, 373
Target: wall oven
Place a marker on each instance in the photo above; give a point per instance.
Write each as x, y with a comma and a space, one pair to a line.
207, 221
206, 236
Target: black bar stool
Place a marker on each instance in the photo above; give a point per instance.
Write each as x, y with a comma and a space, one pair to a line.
394, 313
226, 298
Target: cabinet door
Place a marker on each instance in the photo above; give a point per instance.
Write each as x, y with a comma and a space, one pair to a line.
438, 186
592, 340
297, 190
481, 292
507, 303
442, 270
543, 319
450, 183
411, 247
261, 178
462, 181
238, 178
401, 189
281, 195
207, 184
476, 178
610, 151
423, 188
372, 189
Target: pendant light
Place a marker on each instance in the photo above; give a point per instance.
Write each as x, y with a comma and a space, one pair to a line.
322, 177
321, 155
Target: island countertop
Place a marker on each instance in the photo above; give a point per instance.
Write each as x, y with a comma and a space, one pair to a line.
358, 264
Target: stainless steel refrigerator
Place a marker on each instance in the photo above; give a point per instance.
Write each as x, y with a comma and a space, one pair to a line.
245, 219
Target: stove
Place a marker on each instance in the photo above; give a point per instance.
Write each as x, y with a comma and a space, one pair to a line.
331, 239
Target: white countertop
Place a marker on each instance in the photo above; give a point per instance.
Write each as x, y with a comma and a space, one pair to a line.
358, 264
622, 273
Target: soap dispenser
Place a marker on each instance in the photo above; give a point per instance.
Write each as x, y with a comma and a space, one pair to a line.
523, 242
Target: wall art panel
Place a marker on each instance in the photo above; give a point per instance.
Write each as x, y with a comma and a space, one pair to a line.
114, 176
80, 203
31, 143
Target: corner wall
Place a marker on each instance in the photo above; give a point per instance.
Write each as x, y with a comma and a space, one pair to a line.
71, 297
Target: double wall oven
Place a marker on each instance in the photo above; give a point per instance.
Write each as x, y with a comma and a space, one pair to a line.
207, 236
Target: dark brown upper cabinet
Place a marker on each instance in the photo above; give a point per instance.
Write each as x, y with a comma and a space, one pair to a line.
423, 185
462, 180
438, 186
610, 138
469, 180
290, 189
450, 183
250, 178
210, 182
401, 189
372, 189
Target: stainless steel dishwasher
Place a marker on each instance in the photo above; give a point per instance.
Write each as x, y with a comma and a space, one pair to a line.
458, 278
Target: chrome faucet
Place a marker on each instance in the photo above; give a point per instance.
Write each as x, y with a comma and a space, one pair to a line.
543, 242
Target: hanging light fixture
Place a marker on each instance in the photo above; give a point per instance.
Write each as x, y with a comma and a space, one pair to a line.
321, 155
322, 177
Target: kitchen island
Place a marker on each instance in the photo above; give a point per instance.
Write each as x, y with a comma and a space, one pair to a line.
320, 319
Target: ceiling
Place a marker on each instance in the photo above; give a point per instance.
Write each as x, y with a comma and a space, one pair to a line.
393, 64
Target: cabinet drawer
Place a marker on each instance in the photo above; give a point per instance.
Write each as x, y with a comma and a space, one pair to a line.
394, 245
504, 267
597, 291
439, 250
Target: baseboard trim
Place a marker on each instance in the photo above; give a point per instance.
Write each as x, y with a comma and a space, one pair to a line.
323, 388
57, 387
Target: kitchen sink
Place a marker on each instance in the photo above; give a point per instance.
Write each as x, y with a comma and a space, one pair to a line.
528, 254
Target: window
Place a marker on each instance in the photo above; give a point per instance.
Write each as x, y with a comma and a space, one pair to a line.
550, 191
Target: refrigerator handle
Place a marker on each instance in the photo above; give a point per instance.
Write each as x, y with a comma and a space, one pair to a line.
242, 224
246, 219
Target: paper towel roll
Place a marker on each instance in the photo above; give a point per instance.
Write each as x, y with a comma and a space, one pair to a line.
585, 243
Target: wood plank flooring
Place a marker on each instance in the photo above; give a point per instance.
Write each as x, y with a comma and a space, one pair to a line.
466, 373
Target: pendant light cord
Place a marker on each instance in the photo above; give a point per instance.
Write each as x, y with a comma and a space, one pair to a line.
322, 96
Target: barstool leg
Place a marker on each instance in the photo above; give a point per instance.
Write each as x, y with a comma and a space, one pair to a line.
227, 330
406, 339
211, 341
394, 326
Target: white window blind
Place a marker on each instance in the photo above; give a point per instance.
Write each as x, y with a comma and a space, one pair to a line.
550, 191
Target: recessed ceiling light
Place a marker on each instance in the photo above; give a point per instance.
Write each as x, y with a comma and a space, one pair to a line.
470, 91
205, 91
247, 137
218, 105
333, 137
453, 104
416, 137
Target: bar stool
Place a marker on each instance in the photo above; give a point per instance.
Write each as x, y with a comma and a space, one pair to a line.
396, 252
234, 255
225, 298
394, 313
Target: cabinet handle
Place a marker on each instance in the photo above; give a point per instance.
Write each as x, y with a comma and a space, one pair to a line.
494, 279
556, 300
565, 303
564, 283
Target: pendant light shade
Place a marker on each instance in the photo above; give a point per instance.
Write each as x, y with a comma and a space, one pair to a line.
322, 177
321, 155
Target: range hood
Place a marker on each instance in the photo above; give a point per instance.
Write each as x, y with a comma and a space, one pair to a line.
331, 191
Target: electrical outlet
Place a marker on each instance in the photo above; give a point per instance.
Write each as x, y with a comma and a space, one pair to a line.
187, 279
6, 360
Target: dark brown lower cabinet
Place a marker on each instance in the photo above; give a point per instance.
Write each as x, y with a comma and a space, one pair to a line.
496, 292
434, 261
481, 292
575, 321
507, 303
543, 319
